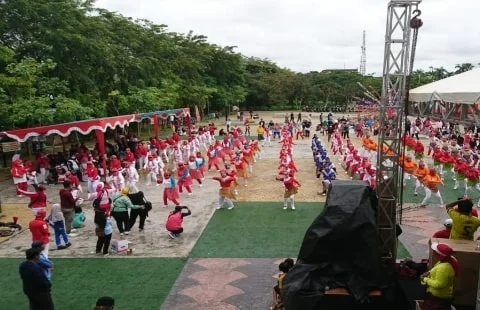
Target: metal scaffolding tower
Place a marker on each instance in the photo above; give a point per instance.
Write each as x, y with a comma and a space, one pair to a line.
396, 69
363, 58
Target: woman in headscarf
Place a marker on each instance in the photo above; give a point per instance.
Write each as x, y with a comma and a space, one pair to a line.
57, 220
139, 207
439, 280
120, 206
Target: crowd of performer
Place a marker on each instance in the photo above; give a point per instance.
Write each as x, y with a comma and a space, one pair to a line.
287, 168
177, 165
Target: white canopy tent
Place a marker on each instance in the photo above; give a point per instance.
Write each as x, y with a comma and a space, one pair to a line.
461, 88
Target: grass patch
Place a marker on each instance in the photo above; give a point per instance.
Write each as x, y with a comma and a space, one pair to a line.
259, 230
135, 283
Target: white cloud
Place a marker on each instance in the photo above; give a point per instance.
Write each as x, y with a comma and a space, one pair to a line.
307, 35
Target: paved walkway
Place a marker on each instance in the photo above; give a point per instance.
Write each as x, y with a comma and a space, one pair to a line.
224, 284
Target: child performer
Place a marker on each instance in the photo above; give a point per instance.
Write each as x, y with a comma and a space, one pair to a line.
225, 194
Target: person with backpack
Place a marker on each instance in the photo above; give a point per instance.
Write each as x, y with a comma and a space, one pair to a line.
120, 205
140, 208
175, 221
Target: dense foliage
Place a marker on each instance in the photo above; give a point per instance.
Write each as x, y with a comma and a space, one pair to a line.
65, 60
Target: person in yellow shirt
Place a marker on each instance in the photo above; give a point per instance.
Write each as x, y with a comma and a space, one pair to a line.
439, 280
464, 224
260, 134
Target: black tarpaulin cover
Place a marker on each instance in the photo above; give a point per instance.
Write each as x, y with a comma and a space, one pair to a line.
340, 249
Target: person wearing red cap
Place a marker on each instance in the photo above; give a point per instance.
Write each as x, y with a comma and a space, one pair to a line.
440, 279
39, 229
291, 188
117, 180
151, 166
38, 199
170, 192
225, 193
184, 178
19, 175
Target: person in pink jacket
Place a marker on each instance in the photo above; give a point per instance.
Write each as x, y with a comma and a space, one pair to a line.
175, 221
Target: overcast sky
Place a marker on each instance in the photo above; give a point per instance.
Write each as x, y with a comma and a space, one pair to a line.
313, 35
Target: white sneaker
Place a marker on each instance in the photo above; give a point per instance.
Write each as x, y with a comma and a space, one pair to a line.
72, 235
73, 230
201, 185
127, 233
219, 207
293, 208
285, 207
231, 207
121, 234
189, 194
441, 206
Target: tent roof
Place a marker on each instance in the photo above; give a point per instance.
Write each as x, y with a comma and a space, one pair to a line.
460, 88
65, 129
182, 112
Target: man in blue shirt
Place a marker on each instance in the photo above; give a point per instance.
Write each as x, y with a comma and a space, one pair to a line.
45, 263
35, 284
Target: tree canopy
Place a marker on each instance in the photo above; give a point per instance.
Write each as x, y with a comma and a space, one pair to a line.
65, 60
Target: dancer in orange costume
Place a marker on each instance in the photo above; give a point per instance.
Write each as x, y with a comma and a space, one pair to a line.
241, 167
431, 181
420, 174
231, 172
409, 167
225, 193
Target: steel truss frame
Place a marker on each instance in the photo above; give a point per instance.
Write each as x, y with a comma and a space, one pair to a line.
396, 69
438, 109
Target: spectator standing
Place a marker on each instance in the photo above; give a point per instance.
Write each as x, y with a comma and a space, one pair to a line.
67, 205
45, 263
103, 230
35, 284
39, 229
464, 224
299, 117
247, 128
229, 123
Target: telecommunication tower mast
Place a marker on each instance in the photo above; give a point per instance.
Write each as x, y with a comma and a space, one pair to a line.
363, 58
398, 60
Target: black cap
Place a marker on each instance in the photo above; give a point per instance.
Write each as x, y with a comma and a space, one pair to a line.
105, 301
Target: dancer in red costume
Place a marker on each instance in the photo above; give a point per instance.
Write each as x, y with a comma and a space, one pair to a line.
213, 158
19, 174
291, 189
194, 169
184, 178
170, 192
225, 193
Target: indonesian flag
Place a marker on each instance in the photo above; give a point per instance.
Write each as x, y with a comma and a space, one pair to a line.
197, 114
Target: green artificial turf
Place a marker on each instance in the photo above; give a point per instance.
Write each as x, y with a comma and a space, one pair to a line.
259, 230
135, 283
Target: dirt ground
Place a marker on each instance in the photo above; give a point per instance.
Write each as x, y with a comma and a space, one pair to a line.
154, 241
